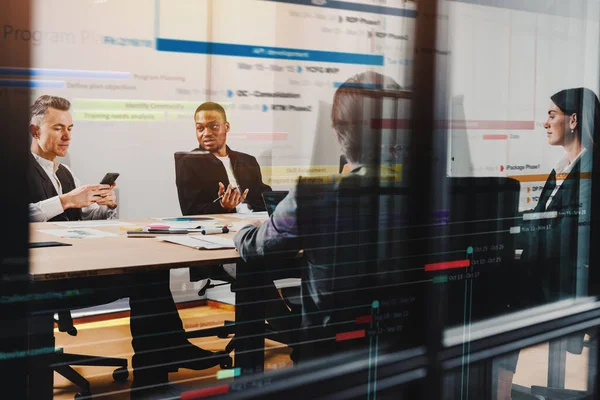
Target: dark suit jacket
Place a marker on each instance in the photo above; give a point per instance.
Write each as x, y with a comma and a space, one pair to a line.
336, 223
41, 188
555, 256
198, 178
558, 248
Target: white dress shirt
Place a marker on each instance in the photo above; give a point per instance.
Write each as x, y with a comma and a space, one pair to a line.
241, 208
563, 166
47, 209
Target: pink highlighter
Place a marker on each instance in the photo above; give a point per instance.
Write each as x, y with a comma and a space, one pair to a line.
158, 226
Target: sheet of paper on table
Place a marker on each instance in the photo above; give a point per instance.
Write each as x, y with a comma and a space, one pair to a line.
78, 233
92, 224
251, 216
202, 242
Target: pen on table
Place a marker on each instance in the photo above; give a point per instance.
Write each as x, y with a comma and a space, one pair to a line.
152, 232
212, 231
171, 231
221, 196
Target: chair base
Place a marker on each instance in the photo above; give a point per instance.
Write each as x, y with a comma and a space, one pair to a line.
62, 363
559, 394
222, 332
228, 328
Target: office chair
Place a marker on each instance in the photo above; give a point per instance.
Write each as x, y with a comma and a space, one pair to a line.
61, 362
289, 295
353, 267
550, 393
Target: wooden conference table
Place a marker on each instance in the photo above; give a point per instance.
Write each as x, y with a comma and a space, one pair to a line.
100, 257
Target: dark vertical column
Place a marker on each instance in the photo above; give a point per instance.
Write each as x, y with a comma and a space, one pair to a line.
13, 246
421, 171
557, 363
593, 272
249, 319
41, 347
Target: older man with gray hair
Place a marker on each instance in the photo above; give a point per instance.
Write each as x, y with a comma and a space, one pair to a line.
55, 194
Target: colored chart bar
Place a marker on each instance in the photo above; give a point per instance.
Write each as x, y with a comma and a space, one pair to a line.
365, 319
340, 337
62, 73
447, 265
206, 392
31, 84
353, 6
486, 124
280, 53
404, 123
540, 215
228, 373
495, 137
372, 86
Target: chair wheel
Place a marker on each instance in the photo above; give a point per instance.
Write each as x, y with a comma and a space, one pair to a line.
72, 331
227, 363
120, 374
83, 395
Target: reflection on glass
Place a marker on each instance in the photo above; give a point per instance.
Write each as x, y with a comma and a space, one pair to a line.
307, 107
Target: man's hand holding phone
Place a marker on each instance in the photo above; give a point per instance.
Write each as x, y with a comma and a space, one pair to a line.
108, 197
84, 196
230, 197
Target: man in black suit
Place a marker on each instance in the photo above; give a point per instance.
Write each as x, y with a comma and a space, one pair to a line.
232, 177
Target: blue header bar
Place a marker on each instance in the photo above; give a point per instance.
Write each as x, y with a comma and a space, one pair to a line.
61, 73
31, 84
358, 85
344, 5
281, 53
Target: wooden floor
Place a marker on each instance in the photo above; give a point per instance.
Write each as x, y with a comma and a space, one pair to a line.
532, 368
112, 338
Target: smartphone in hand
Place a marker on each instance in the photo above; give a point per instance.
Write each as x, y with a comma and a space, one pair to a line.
109, 178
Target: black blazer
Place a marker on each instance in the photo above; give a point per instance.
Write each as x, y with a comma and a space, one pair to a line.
198, 178
557, 249
40, 188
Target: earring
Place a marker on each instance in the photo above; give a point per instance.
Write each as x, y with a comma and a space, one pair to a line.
572, 131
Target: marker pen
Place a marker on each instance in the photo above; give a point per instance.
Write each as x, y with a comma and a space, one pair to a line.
212, 231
